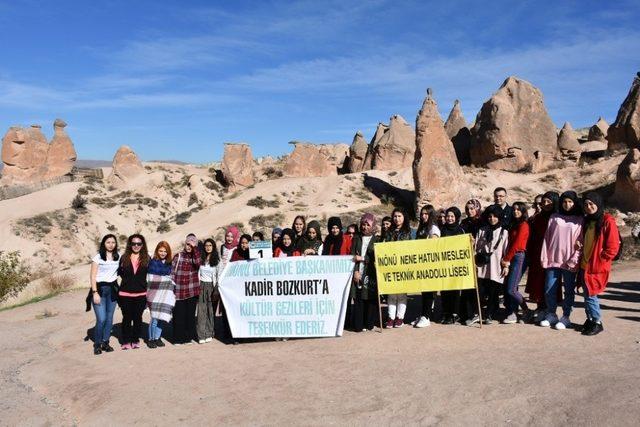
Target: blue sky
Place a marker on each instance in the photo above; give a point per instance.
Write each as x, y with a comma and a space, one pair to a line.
175, 80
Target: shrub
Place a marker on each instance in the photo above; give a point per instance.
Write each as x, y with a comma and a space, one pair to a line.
272, 172
83, 191
266, 221
261, 203
57, 282
79, 203
163, 227
212, 185
14, 275
39, 225
193, 198
111, 227
182, 217
103, 202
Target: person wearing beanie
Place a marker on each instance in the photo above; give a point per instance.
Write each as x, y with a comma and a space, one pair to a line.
560, 257
601, 246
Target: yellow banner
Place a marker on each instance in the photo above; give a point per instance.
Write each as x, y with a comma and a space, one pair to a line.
413, 266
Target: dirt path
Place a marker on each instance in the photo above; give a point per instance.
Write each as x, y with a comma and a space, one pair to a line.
448, 375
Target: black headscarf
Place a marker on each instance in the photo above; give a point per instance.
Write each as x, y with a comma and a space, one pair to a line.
332, 244
306, 243
287, 249
555, 199
597, 217
576, 210
455, 228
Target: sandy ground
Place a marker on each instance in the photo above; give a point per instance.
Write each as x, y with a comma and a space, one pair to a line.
449, 375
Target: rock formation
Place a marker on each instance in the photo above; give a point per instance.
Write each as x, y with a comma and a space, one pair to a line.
395, 148
377, 136
568, 142
237, 166
459, 134
126, 166
511, 126
437, 176
598, 132
62, 156
308, 159
356, 161
28, 158
627, 192
625, 131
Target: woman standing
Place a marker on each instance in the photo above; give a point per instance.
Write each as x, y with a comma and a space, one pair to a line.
601, 245
560, 258
427, 229
231, 237
241, 252
160, 296
516, 263
472, 223
132, 296
450, 298
364, 291
336, 242
208, 276
311, 244
275, 239
299, 226
285, 248
104, 291
538, 228
184, 273
385, 226
397, 303
491, 247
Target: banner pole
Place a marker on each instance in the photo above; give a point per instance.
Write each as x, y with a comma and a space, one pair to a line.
475, 279
380, 311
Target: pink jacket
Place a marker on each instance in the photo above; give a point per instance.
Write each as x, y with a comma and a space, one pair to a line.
559, 246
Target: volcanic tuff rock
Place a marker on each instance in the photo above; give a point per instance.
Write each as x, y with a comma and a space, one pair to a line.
395, 148
126, 166
511, 126
237, 166
437, 175
598, 132
568, 141
627, 192
356, 161
308, 159
459, 133
625, 131
28, 157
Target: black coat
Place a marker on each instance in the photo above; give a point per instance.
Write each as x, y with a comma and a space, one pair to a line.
132, 282
367, 288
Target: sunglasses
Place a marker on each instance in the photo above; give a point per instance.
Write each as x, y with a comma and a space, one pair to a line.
136, 243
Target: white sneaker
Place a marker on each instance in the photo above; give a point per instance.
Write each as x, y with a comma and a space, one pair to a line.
423, 322
201, 341
415, 322
208, 339
550, 319
563, 323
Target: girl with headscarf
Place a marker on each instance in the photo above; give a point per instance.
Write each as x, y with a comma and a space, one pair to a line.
450, 299
385, 226
241, 252
275, 239
538, 228
311, 243
601, 246
286, 248
364, 287
515, 263
397, 303
560, 257
336, 242
472, 223
491, 242
231, 239
427, 229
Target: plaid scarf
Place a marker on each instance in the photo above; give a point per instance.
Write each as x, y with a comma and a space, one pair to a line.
184, 273
160, 297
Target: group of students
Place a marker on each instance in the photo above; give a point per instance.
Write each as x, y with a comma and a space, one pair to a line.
566, 243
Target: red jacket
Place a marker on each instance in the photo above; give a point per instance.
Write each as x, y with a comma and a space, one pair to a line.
278, 253
605, 248
345, 249
518, 237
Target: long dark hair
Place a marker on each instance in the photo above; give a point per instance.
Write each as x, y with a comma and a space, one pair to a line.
244, 253
214, 259
144, 252
522, 208
405, 223
425, 227
103, 248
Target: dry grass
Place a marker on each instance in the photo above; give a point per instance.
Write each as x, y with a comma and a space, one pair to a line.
57, 282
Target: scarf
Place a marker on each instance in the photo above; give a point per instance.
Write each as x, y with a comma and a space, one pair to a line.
575, 210
236, 237
306, 242
371, 220
333, 244
597, 217
476, 204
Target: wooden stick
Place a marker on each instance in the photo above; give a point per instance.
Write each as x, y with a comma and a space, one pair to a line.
380, 311
475, 279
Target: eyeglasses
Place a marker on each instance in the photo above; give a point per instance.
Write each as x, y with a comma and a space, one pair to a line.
136, 243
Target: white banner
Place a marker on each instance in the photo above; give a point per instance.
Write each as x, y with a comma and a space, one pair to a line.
287, 297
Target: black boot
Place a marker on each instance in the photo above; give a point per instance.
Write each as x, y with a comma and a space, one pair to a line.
595, 329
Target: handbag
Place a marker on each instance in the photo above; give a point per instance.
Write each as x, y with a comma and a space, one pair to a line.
483, 257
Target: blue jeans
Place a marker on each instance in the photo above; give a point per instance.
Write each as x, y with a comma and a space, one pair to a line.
104, 314
591, 302
551, 283
155, 329
513, 297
